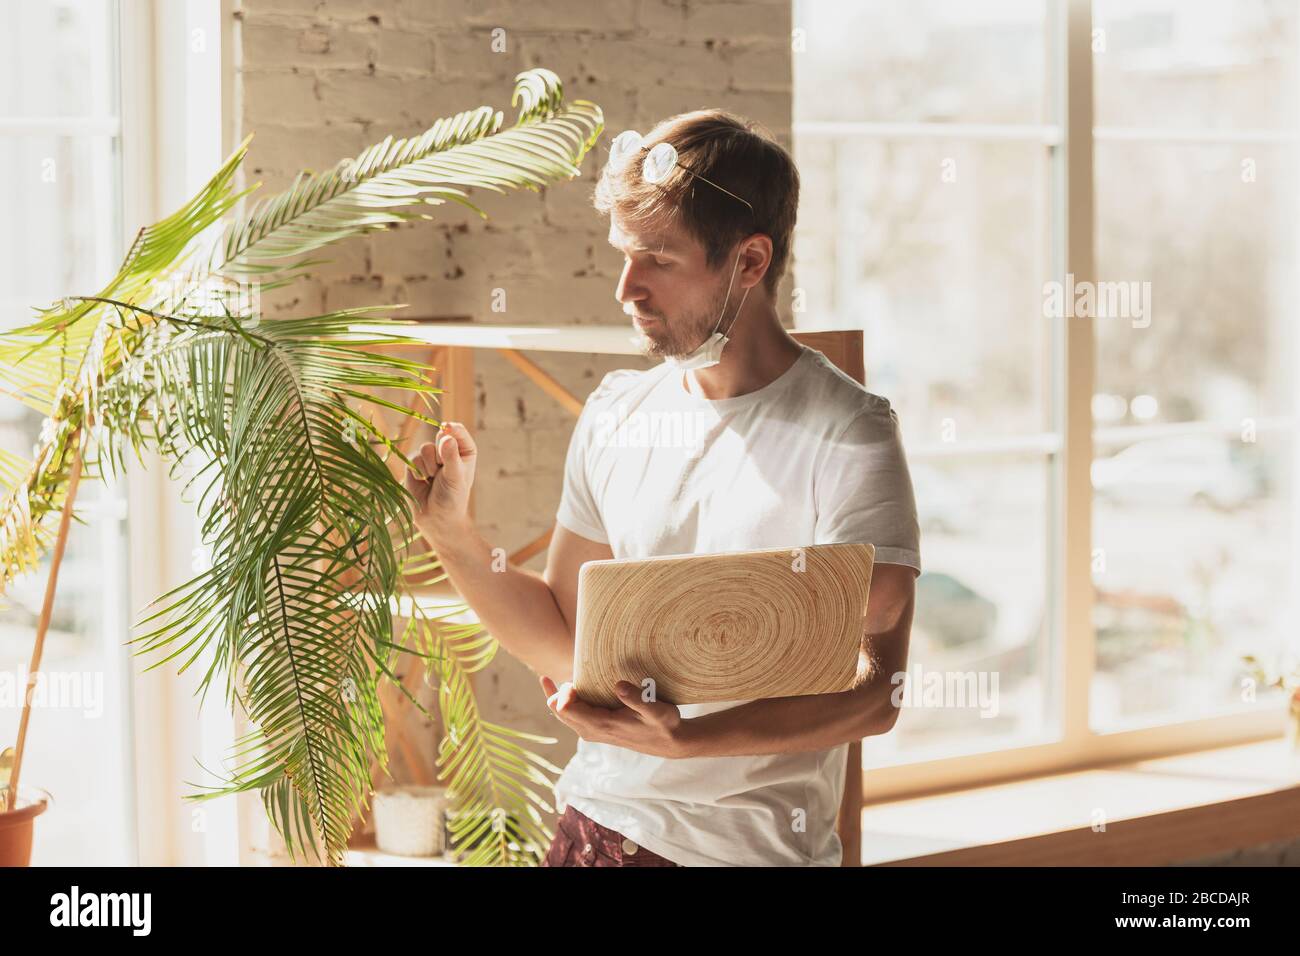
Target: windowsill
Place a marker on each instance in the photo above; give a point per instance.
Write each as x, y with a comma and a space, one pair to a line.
363, 852
1156, 812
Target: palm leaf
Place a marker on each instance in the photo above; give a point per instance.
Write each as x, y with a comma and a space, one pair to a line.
306, 526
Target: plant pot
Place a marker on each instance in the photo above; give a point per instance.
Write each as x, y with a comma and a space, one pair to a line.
411, 820
16, 828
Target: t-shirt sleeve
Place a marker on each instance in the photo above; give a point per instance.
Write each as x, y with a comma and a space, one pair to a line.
863, 490
578, 511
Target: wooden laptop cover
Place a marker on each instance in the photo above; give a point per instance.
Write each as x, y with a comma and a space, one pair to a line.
722, 627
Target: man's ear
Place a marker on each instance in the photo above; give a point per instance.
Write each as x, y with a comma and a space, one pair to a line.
755, 259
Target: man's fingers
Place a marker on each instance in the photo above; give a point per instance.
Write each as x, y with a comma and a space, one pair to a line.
419, 489
630, 695
429, 458
465, 446
449, 455
563, 698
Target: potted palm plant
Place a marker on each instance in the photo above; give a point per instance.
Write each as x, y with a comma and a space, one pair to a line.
302, 507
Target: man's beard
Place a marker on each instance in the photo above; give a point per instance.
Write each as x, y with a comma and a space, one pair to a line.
683, 334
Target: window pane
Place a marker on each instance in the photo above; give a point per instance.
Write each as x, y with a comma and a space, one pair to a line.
938, 251
57, 58
61, 193
1195, 534
980, 623
1212, 231
77, 746
1194, 504
60, 196
1196, 64
936, 61
937, 246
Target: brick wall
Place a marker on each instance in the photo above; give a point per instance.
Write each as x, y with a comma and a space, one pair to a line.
323, 79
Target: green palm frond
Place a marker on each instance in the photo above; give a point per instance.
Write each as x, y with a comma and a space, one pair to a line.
370, 191
308, 530
36, 359
498, 784
300, 533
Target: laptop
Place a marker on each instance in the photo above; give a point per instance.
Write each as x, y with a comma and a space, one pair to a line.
741, 625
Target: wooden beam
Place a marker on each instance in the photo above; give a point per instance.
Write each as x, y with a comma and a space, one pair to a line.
544, 381
842, 347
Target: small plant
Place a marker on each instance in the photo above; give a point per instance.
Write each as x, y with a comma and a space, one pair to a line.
1285, 677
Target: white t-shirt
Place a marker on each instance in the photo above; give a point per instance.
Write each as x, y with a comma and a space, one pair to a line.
652, 469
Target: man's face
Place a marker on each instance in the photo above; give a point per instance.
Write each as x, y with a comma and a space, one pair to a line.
672, 295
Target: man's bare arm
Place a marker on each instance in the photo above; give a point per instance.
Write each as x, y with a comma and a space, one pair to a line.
818, 721
531, 615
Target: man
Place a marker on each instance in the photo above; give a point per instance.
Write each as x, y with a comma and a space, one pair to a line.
782, 450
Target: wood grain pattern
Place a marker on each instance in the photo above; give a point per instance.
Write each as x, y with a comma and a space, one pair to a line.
723, 627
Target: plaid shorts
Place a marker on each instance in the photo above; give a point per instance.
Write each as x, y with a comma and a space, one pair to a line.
581, 841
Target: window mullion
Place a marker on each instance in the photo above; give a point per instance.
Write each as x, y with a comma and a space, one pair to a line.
1074, 542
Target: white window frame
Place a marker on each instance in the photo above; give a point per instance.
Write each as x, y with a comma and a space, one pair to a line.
1068, 449
104, 508
172, 135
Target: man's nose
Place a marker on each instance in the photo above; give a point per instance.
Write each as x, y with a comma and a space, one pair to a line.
629, 288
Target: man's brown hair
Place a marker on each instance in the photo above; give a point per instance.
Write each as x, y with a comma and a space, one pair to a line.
736, 154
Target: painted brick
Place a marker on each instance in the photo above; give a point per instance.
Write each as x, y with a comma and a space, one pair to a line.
286, 150
490, 252
324, 79
404, 253
400, 49
470, 53
763, 67
662, 17
561, 254
442, 14
381, 98
734, 21
389, 11
363, 291
256, 8
553, 16
282, 97
684, 62
568, 204
657, 102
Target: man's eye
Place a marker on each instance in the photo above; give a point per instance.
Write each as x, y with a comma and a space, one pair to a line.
663, 263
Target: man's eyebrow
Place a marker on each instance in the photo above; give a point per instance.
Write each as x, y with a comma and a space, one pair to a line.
667, 248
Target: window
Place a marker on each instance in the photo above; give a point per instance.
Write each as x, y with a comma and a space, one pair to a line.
1193, 516
936, 163
61, 180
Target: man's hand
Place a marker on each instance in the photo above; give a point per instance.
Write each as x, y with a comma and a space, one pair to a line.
442, 492
654, 728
